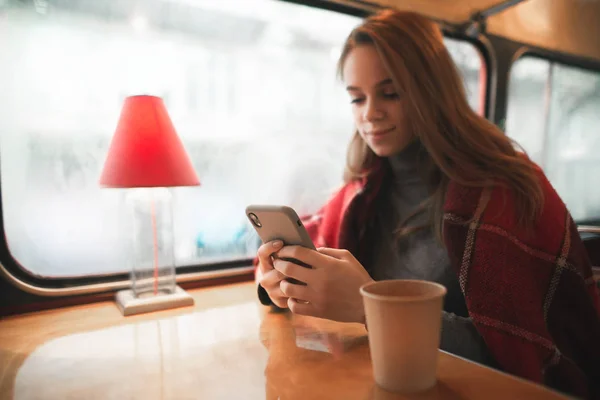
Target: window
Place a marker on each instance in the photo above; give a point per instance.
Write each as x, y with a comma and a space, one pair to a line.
250, 86
553, 114
470, 63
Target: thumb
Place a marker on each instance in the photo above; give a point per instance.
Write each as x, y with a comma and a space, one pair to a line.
340, 254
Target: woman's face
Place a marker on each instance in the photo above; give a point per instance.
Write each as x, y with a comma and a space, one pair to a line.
377, 109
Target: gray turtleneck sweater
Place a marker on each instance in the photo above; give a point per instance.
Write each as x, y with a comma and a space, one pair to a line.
420, 255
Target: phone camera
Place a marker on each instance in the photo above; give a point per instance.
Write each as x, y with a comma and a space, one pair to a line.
255, 220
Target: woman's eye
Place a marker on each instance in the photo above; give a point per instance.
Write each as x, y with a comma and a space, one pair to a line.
357, 100
391, 95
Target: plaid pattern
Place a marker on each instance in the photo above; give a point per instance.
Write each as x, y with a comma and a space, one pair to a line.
530, 295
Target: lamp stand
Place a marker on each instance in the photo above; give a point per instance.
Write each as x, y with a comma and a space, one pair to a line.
153, 275
131, 305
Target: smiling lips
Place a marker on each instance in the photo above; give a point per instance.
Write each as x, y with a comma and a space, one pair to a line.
380, 132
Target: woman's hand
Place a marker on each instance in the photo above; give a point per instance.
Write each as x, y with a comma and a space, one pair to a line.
270, 278
332, 285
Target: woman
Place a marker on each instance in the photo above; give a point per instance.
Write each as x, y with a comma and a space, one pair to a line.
434, 191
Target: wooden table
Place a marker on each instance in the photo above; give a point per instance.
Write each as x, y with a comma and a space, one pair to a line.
227, 346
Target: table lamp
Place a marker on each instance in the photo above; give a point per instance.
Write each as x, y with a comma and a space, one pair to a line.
147, 158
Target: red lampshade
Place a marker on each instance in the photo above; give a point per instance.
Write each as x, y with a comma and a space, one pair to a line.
145, 150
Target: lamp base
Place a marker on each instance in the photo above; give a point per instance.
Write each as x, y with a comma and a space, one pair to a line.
130, 305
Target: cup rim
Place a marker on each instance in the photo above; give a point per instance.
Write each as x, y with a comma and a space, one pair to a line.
404, 299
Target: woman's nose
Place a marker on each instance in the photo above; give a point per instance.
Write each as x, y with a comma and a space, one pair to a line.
372, 111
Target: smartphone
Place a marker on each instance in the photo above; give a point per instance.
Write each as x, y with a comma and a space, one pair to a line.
278, 223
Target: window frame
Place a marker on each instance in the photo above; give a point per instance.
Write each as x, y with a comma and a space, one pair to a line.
17, 275
566, 60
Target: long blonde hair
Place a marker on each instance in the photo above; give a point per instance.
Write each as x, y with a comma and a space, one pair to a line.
461, 146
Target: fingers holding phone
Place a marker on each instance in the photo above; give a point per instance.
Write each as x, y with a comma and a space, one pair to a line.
271, 278
265, 255
271, 282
